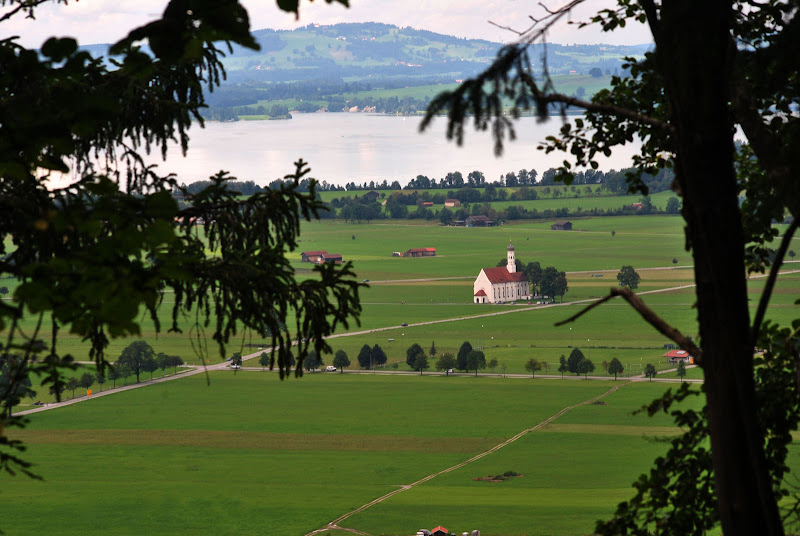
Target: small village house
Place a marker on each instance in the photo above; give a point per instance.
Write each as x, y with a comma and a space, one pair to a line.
312, 256
674, 356
440, 531
330, 258
501, 284
561, 226
452, 203
420, 252
479, 221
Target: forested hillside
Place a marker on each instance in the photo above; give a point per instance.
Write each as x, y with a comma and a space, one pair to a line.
381, 68
378, 68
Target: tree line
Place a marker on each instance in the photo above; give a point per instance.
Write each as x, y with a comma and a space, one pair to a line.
137, 358
466, 190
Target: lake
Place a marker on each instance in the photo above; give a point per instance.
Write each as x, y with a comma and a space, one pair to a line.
345, 147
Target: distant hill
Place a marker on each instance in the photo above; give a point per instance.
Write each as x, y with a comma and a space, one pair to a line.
379, 68
355, 51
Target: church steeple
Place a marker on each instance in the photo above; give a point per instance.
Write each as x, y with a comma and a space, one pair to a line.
512, 262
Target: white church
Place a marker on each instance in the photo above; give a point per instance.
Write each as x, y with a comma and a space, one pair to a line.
501, 284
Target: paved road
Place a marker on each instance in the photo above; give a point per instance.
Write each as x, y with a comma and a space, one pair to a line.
511, 310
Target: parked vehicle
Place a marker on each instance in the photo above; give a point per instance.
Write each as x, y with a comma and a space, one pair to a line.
330, 368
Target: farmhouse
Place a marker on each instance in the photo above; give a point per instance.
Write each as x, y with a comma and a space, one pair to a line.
501, 284
479, 221
440, 531
673, 356
312, 256
420, 252
561, 226
452, 203
330, 258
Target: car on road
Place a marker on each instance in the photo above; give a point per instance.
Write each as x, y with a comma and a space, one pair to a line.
449, 371
330, 368
236, 367
365, 281
38, 403
404, 324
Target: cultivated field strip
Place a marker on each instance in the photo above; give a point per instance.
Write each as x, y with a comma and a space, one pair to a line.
334, 525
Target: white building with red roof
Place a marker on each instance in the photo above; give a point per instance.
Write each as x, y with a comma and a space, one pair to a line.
502, 284
673, 356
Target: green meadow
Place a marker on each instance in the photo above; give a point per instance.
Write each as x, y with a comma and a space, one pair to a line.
250, 454
416, 290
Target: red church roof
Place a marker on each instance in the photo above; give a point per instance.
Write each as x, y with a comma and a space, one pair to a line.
480, 293
501, 274
440, 530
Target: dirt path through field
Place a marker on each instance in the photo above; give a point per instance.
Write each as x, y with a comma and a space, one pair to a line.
335, 524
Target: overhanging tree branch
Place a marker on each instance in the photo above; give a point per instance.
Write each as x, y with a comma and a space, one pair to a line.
766, 294
648, 315
617, 111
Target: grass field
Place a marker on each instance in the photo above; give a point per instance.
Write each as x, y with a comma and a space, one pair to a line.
252, 455
649, 243
256, 456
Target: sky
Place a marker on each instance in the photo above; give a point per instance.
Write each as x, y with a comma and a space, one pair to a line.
106, 21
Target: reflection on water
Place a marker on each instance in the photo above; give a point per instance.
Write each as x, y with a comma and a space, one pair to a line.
346, 147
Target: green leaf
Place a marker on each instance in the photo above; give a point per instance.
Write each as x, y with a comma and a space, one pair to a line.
59, 49
289, 5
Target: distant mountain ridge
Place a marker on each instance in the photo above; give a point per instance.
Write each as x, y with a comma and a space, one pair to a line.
379, 68
361, 50
358, 51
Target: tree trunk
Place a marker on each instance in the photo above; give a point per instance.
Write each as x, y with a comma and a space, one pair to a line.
695, 61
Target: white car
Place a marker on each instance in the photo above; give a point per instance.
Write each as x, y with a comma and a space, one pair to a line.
330, 368
235, 367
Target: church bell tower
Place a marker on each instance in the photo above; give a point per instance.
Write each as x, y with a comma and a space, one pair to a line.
512, 262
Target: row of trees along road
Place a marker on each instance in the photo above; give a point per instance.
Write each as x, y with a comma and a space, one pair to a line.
139, 357
136, 358
715, 67
576, 363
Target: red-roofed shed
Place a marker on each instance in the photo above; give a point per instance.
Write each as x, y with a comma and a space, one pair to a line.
440, 531
420, 252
